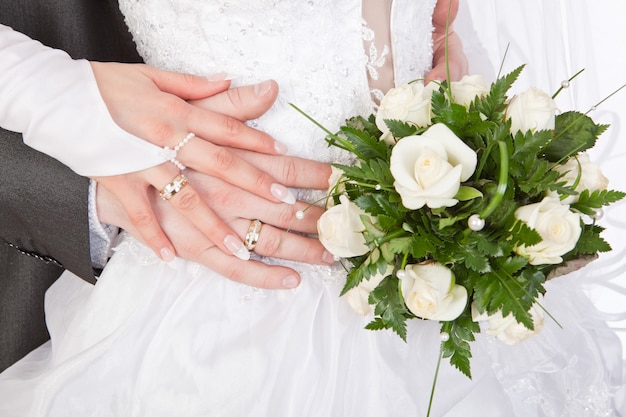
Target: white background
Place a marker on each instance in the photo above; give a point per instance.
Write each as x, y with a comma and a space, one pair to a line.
555, 39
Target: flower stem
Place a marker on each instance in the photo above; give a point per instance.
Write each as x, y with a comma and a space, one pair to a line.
502, 181
432, 391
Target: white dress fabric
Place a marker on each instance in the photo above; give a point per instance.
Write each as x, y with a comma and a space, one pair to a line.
156, 339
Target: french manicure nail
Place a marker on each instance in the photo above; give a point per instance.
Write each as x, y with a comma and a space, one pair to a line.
282, 193
236, 247
290, 281
263, 88
167, 255
280, 148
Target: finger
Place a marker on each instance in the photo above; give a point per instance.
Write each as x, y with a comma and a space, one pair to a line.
279, 243
223, 129
230, 203
252, 273
243, 103
221, 162
289, 170
133, 197
193, 245
186, 86
188, 202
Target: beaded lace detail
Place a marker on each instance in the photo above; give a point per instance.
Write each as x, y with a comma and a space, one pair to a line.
271, 39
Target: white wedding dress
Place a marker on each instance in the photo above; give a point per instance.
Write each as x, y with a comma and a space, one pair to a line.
155, 339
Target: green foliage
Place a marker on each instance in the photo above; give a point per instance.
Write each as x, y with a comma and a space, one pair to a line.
512, 170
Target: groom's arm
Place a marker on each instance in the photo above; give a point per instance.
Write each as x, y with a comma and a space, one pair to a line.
43, 207
43, 204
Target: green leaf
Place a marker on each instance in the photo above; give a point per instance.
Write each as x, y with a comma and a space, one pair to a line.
574, 133
521, 234
588, 202
400, 129
401, 245
467, 193
389, 306
590, 242
457, 347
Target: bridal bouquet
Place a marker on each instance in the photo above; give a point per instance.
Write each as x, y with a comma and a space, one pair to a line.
462, 201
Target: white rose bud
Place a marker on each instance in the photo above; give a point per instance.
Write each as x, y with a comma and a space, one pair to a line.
340, 229
531, 110
428, 169
557, 225
429, 292
409, 103
591, 177
358, 296
507, 329
468, 88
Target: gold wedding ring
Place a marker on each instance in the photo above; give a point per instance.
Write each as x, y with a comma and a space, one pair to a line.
174, 187
252, 237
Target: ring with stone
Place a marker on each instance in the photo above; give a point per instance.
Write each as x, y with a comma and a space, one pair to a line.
174, 187
252, 237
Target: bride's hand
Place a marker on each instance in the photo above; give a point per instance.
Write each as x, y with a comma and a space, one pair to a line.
171, 106
457, 61
237, 207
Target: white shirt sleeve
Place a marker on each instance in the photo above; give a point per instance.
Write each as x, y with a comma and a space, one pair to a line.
54, 101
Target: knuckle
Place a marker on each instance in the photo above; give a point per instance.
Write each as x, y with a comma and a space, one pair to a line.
286, 216
161, 132
233, 272
141, 219
187, 200
197, 252
177, 108
290, 171
232, 126
235, 98
189, 80
223, 159
270, 243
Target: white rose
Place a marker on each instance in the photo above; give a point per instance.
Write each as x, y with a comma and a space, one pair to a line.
468, 88
557, 225
409, 103
507, 329
340, 229
591, 177
531, 110
429, 292
428, 169
358, 296
335, 184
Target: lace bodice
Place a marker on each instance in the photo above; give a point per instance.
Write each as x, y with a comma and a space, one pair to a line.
314, 50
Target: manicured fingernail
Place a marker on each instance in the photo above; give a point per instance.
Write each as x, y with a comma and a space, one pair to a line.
263, 88
282, 193
328, 258
167, 255
236, 247
290, 282
280, 148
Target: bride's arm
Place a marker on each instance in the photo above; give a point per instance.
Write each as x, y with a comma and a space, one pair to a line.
456, 57
91, 116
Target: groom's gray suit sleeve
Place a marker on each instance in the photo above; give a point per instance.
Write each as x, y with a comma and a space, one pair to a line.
43, 205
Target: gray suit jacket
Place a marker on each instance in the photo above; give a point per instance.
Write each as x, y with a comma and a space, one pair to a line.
43, 205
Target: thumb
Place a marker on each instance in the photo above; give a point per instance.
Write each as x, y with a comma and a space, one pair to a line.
188, 86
